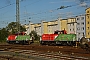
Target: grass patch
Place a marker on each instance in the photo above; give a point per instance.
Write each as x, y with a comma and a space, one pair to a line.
36, 42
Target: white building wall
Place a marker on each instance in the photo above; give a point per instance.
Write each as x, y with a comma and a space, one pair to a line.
38, 30
28, 29
52, 28
59, 24
80, 26
42, 27
72, 27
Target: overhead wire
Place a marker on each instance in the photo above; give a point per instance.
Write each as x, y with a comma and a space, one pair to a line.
14, 3
9, 5
62, 7
51, 11
40, 12
30, 4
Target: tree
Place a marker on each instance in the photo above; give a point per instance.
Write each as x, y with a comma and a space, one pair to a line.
36, 36
3, 34
12, 28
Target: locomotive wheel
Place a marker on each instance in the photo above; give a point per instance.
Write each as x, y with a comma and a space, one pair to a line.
84, 46
29, 42
41, 42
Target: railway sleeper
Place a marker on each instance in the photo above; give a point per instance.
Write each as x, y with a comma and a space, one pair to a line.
6, 57
47, 43
66, 43
25, 42
85, 46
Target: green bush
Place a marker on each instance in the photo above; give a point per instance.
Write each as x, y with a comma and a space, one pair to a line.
3, 34
36, 36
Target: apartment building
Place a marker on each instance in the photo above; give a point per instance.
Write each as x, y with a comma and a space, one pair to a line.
37, 28
71, 24
44, 28
63, 24
48, 27
52, 26
81, 28
34, 27
30, 28
88, 23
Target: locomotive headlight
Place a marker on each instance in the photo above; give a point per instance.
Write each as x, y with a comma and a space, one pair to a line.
56, 36
7, 38
73, 38
40, 38
26, 39
15, 37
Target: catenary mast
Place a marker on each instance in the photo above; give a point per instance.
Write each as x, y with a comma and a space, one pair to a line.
17, 16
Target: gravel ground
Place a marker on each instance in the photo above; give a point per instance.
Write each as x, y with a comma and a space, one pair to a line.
69, 50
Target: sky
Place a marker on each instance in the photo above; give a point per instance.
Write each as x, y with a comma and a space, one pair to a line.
38, 10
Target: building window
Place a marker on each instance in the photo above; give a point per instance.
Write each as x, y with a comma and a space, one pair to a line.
88, 17
70, 29
88, 22
82, 18
77, 18
82, 23
78, 38
79, 33
83, 28
88, 28
78, 28
70, 24
83, 33
73, 24
87, 11
78, 23
88, 33
49, 30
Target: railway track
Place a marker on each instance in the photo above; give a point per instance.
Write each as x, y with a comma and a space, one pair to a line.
26, 52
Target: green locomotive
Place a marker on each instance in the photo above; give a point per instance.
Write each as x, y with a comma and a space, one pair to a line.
59, 37
20, 38
66, 39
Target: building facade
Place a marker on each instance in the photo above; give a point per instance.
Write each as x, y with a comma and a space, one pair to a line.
30, 28
44, 29
38, 28
71, 23
88, 23
52, 26
63, 24
48, 27
81, 26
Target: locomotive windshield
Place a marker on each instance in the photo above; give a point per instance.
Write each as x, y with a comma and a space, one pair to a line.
60, 32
